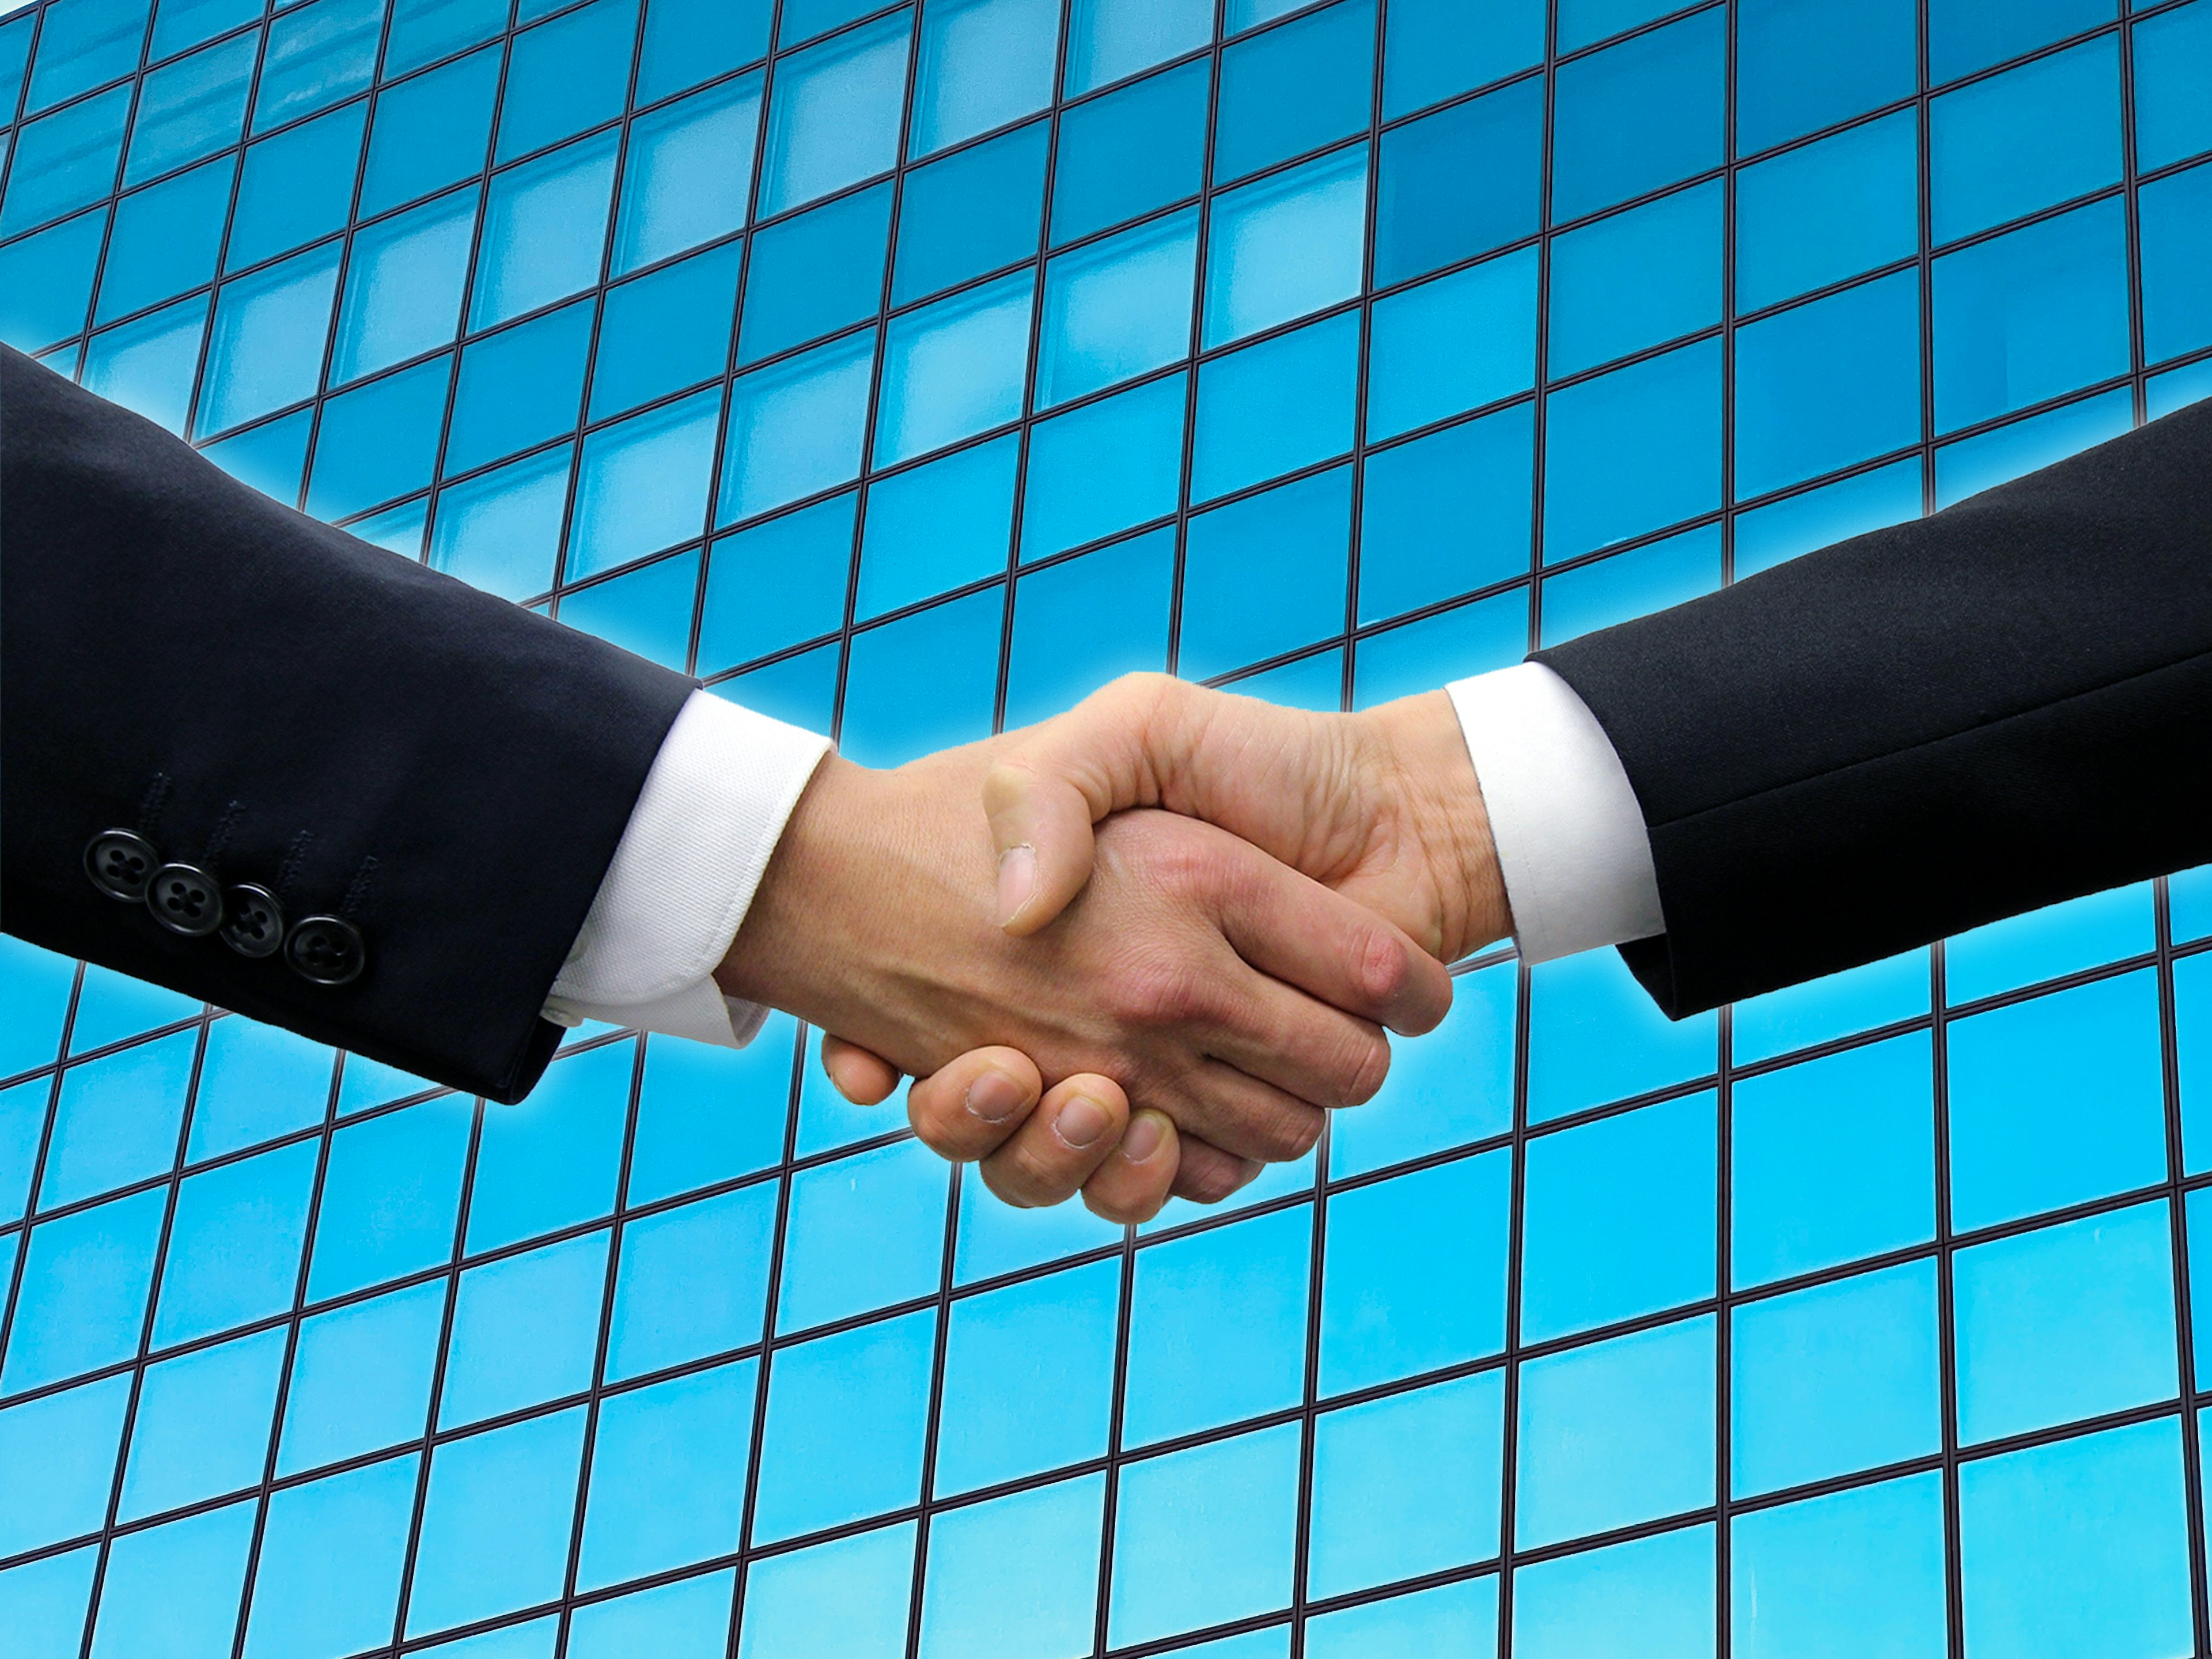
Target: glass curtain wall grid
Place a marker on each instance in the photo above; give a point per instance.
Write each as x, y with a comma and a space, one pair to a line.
907, 372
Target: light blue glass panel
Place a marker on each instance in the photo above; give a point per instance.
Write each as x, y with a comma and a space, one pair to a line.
2054, 1100
1217, 1325
22, 1126
1270, 408
938, 526
642, 485
1117, 308
81, 1300
1973, 465
202, 1424
1631, 280
45, 281
707, 1114
402, 291
266, 348
2192, 989
1407, 1485
327, 1579
2172, 91
116, 1120
693, 1281
58, 1464
43, 1602
1294, 89
1204, 1536
316, 54
1618, 1218
533, 1640
360, 1378
430, 132
1292, 244
1315, 680
1834, 1379
1452, 1621
1827, 385
1766, 536
690, 170
2060, 938
776, 583
1266, 575
688, 41
525, 1330
501, 531
1831, 210
848, 1598
494, 1531
65, 161
1452, 345
83, 45
984, 63
1615, 1433
174, 1591
1805, 65
296, 187
688, 1619
2177, 246
396, 529
864, 1232
993, 1238
1632, 450
844, 1438
1651, 1597
1458, 182
835, 118
2080, 1547
2065, 1322
1451, 1085
1129, 153
551, 1161
1852, 1573
1594, 1036
964, 1610
190, 108
1435, 49
271, 457
34, 996
668, 1475
1049, 1339
1104, 467
571, 74
1639, 115
954, 369
256, 1082
925, 682
423, 30
544, 231
148, 367
1646, 578
1963, 37
1107, 39
2021, 141
390, 1197
234, 1251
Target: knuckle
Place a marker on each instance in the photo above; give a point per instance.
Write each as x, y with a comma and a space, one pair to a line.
1368, 1065
1165, 991
1382, 968
1288, 1135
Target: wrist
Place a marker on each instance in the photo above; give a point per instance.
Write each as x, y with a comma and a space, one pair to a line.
1428, 755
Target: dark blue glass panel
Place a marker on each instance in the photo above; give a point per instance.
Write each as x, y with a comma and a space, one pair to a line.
202, 1424
845, 1421
1078, 624
938, 527
1782, 529
1266, 575
496, 1521
390, 1197
190, 109
1964, 36
1046, 1339
423, 30
165, 240
1104, 467
693, 1281
430, 132
688, 41
1805, 65
551, 1163
1639, 115
966, 215
1270, 408
2173, 85
2176, 257
566, 75
1828, 384
1295, 88
233, 1250
1407, 1485
668, 1478
1829, 210
816, 274
59, 1453
1585, 22
1632, 450
116, 1120
316, 54
2021, 141
1419, 656
1129, 153
380, 441
81, 1300
84, 46
1572, 1066
45, 281
15, 54
297, 186
776, 583
1857, 1571
1446, 513
181, 23
360, 1378
64, 161
1435, 49
707, 1114
665, 331
519, 387
1976, 463
2060, 938
1204, 1536
1461, 181
1635, 279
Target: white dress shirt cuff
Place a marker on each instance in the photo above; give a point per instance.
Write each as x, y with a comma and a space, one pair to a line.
1570, 835
698, 840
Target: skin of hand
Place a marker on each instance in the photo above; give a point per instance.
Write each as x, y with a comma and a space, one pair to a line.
1382, 806
1195, 981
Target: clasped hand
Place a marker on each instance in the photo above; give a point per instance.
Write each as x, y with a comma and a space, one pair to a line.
1193, 918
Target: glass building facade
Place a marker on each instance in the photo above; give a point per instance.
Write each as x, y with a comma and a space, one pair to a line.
912, 370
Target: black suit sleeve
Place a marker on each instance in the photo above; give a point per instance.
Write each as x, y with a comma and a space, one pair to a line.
1922, 729
268, 699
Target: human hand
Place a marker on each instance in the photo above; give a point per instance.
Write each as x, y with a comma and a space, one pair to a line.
1194, 978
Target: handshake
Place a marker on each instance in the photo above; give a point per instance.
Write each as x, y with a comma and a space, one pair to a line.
1173, 934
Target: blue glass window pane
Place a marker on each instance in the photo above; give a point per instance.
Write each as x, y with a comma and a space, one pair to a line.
1267, 409
1963, 37
2065, 1322
2030, 315
1049, 1338
2175, 232
1078, 624
148, 367
1407, 1485
776, 583
1117, 308
665, 331
1435, 49
1266, 575
58, 1464
970, 213
390, 1197
1103, 467
544, 231
864, 1232
1812, 215
2192, 987
112, 1005
705, 1113
938, 527
1129, 153
2054, 1100
1639, 115
1452, 345
835, 118
795, 428
642, 485
15, 54
45, 281
1835, 1378
1805, 65
380, 441
35, 986
845, 1420
1446, 513
430, 132
1653, 1597
2188, 894
84, 46
1635, 279
1973, 465
190, 108
1618, 1219
175, 1589
1290, 244
81, 1300
984, 63
1204, 1536
1107, 39
1458, 182
1615, 1433
269, 458
816, 274
64, 161
693, 1281
297, 186
1295, 88
1766, 537
994, 1237
520, 387
266, 347
952, 651
201, 1426
803, 20
43, 1602
360, 1378
962, 1612
2173, 88
852, 1593
1594, 1036
1855, 1572
690, 170
116, 1119
1413, 1278
567, 75
2060, 938
688, 41
954, 369
1316, 682
501, 531
1827, 383
1217, 1328
552, 1162
687, 1620
668, 1475
328, 1577
1455, 1620
423, 30
2023, 140
496, 1521
396, 529
256, 1082
2078, 1546
22, 1126
316, 54
525, 1330
234, 1251
1455, 1084
1632, 450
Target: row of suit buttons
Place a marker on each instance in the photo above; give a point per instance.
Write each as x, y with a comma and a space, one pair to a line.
187, 900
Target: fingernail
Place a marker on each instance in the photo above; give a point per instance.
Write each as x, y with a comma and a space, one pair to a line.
1143, 1138
1081, 1121
994, 1096
1016, 881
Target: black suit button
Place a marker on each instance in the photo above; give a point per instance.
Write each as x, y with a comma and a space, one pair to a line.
253, 922
326, 950
120, 864
184, 900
